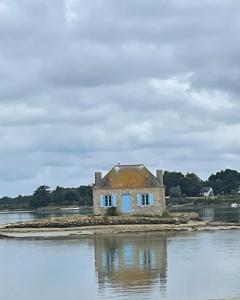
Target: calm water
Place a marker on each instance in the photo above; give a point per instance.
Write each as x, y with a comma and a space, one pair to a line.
13, 217
137, 266
213, 213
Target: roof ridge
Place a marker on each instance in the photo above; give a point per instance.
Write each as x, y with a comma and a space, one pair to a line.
128, 165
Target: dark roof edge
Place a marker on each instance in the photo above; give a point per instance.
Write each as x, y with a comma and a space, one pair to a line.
128, 165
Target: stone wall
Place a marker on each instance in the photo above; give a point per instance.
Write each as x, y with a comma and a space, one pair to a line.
157, 209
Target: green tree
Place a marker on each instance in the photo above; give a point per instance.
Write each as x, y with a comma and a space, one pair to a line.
225, 182
71, 197
41, 197
191, 185
175, 192
57, 195
172, 179
85, 195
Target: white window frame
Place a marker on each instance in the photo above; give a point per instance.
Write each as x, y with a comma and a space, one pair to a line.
108, 200
145, 199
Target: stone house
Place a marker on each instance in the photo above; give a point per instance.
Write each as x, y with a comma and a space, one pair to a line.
132, 189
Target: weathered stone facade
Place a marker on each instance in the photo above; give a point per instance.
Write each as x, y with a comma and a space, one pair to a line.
135, 184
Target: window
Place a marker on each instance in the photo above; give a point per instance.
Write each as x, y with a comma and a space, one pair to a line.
108, 200
145, 199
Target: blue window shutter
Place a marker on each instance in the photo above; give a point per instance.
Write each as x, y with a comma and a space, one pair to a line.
139, 199
151, 199
102, 202
114, 203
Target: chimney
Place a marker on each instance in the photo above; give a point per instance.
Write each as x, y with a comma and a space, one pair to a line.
159, 174
98, 178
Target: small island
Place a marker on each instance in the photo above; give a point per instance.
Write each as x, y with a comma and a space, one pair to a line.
129, 198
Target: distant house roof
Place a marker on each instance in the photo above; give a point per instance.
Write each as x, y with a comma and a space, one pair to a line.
129, 176
205, 189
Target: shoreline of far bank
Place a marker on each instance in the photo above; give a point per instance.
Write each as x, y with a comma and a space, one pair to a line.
77, 226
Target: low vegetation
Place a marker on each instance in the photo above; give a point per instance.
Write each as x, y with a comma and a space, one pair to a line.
112, 211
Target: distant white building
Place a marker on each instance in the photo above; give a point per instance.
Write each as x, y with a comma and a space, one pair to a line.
206, 191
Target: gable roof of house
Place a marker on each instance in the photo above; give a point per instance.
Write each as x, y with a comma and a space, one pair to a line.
205, 189
129, 176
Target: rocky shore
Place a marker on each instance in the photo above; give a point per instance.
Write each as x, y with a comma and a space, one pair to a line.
90, 220
88, 225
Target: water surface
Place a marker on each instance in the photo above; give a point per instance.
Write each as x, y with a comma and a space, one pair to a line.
130, 266
16, 216
223, 213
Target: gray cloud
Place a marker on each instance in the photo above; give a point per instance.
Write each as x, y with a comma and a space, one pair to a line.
87, 84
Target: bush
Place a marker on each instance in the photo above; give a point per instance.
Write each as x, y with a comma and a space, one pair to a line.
111, 211
165, 214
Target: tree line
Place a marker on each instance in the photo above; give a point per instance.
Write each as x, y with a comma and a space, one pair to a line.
225, 182
43, 196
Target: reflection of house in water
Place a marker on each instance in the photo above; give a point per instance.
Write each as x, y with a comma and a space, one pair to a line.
129, 261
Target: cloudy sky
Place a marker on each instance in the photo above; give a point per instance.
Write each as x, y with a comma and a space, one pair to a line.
87, 84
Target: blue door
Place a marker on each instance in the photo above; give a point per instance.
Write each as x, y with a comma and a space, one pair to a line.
126, 204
